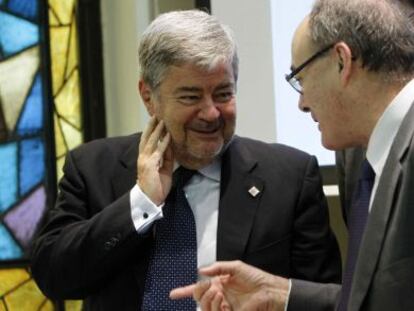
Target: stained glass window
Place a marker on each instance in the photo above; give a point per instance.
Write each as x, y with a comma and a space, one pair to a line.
65, 78
23, 150
68, 130
24, 128
22, 140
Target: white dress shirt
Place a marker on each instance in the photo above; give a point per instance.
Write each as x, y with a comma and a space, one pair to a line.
386, 129
203, 194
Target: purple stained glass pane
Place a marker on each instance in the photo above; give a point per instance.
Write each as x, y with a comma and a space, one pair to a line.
9, 249
23, 219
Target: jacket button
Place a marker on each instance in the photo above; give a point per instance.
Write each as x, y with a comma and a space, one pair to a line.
108, 245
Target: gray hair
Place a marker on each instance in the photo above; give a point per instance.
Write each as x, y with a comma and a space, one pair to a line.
379, 32
180, 37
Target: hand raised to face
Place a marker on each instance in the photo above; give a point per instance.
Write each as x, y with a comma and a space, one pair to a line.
155, 162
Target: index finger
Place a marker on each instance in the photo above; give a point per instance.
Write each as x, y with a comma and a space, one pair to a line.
221, 268
148, 130
183, 292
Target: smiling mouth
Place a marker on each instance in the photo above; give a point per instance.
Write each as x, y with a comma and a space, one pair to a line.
206, 127
205, 131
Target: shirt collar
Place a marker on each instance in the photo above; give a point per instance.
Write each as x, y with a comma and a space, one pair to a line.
386, 129
211, 171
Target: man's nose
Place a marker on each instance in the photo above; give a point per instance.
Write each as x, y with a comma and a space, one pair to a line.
302, 104
209, 110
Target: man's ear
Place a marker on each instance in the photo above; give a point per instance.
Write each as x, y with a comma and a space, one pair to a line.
147, 96
344, 61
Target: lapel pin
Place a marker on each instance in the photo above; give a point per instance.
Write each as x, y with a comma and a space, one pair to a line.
254, 191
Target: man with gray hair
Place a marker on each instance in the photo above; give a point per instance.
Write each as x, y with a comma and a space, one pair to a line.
353, 66
136, 216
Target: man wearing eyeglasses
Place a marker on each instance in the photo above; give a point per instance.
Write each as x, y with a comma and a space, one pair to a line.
353, 67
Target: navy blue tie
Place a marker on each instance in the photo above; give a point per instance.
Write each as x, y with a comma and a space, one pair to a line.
356, 224
173, 262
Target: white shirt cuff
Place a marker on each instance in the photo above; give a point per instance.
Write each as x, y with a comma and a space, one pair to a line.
143, 211
288, 295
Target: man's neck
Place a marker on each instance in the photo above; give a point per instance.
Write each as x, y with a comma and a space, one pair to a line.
376, 94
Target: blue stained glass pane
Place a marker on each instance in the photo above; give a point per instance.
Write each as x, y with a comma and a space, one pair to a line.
8, 175
16, 33
8, 247
32, 164
32, 117
26, 8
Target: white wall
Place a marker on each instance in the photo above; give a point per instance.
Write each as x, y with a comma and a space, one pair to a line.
294, 127
123, 21
251, 23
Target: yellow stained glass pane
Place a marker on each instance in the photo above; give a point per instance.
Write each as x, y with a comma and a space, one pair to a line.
10, 278
59, 167
73, 136
73, 305
26, 297
2, 306
48, 306
16, 77
53, 21
63, 9
73, 49
59, 141
67, 102
59, 37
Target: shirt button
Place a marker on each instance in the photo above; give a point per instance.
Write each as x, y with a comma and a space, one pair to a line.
145, 215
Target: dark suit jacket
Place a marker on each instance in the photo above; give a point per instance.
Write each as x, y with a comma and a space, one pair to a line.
384, 271
89, 248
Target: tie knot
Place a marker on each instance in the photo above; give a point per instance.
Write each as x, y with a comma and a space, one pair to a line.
367, 172
182, 175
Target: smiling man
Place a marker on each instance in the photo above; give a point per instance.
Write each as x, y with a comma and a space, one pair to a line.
353, 67
137, 215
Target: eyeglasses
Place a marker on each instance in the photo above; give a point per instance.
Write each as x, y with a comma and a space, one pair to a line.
291, 79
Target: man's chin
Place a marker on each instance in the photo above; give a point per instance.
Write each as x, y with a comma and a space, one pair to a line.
205, 153
197, 158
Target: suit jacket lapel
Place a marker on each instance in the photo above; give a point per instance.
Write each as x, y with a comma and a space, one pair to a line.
384, 201
237, 206
125, 178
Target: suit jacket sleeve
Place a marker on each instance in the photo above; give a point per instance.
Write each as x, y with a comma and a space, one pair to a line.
311, 296
88, 236
315, 252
